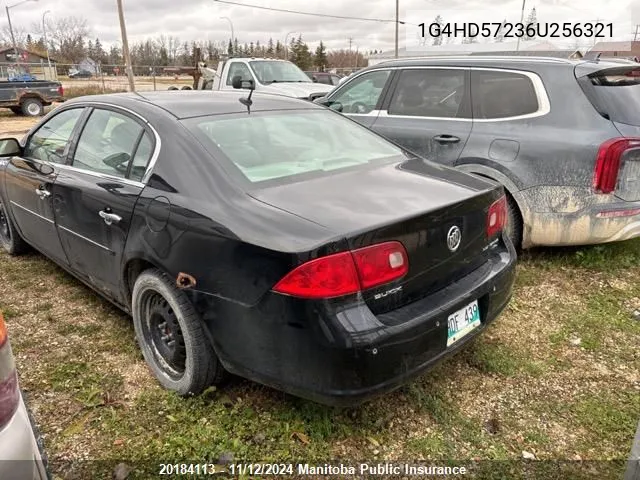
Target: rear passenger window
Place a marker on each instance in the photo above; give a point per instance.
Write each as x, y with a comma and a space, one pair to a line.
113, 144
431, 93
141, 158
502, 95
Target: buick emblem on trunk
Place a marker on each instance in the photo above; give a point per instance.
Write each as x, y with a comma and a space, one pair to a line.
454, 237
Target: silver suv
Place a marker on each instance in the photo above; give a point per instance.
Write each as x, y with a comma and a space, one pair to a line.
562, 137
20, 452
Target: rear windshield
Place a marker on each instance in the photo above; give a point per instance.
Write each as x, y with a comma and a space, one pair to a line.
615, 93
284, 145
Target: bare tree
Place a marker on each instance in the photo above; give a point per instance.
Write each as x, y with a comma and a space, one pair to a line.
19, 32
66, 35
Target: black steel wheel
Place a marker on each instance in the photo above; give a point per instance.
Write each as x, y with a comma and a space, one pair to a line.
10, 239
172, 336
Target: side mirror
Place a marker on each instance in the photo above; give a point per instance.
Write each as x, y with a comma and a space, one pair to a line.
9, 147
237, 82
315, 80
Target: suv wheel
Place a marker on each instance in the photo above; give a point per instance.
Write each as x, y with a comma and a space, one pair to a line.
514, 223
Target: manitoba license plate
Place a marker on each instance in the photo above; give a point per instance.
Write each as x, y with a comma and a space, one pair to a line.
463, 322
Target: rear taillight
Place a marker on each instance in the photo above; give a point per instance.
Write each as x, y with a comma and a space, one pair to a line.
346, 273
9, 392
497, 217
605, 175
61, 91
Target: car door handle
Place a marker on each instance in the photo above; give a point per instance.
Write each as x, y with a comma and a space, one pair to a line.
42, 193
446, 139
109, 218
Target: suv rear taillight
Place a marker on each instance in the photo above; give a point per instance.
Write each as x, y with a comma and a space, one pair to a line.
497, 217
346, 273
605, 175
9, 392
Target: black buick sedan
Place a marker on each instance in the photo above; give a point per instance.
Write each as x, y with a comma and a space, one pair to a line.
285, 244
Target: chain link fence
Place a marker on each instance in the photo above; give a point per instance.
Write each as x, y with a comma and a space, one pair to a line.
95, 78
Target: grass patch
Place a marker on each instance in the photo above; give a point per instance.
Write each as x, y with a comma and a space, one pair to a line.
610, 415
73, 92
495, 358
603, 315
93, 397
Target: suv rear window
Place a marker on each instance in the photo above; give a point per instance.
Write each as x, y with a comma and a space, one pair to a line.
499, 94
615, 93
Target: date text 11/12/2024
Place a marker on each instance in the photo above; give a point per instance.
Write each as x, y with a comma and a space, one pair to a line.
508, 30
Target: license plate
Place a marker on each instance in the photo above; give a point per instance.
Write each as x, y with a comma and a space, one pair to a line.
463, 322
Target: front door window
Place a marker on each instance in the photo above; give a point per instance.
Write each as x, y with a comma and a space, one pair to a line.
361, 95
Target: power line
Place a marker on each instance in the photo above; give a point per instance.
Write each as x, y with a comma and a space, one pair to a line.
311, 14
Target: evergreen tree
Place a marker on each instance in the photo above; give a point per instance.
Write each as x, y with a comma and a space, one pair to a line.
99, 51
279, 51
438, 40
303, 58
230, 48
500, 33
532, 19
164, 57
270, 48
320, 58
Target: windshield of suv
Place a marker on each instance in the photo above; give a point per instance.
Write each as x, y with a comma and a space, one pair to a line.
283, 145
615, 92
269, 72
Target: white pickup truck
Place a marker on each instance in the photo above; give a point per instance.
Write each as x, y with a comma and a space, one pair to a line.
269, 76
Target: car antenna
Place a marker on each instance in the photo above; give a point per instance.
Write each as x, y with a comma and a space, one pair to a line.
247, 100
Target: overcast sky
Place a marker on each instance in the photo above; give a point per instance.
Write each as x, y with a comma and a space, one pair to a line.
196, 19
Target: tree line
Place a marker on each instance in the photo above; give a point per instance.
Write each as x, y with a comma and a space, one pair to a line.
70, 42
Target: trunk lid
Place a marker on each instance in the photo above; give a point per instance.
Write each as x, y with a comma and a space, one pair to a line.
415, 203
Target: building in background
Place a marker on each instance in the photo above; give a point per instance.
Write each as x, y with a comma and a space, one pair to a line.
30, 62
629, 50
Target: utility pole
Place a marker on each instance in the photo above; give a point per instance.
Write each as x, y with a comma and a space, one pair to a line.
397, 24
350, 42
46, 43
521, 21
13, 41
125, 47
635, 37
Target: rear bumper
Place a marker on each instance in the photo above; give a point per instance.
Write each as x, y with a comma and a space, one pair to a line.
587, 226
350, 356
19, 453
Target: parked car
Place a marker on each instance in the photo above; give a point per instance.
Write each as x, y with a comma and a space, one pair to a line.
21, 454
324, 77
561, 136
22, 77
30, 99
80, 74
290, 246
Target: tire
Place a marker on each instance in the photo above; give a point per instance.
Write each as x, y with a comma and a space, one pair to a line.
186, 87
16, 110
173, 88
514, 223
10, 239
32, 107
163, 314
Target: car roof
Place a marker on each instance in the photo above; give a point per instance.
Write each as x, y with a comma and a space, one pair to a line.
504, 61
196, 103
